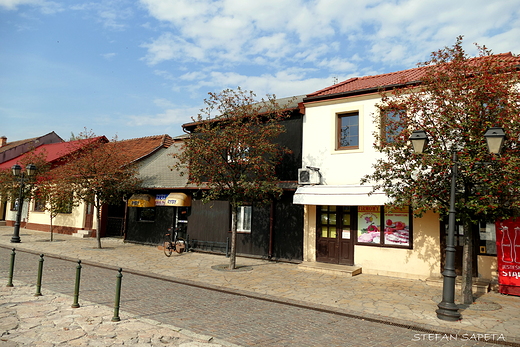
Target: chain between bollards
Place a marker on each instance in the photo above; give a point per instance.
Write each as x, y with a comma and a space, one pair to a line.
118, 296
39, 281
11, 270
75, 304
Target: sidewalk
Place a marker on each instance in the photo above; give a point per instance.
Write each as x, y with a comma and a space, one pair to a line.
396, 300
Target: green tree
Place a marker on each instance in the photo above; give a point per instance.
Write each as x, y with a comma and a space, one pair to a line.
10, 185
99, 174
231, 153
457, 99
56, 196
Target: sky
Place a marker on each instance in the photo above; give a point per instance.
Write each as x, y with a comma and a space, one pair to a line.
136, 68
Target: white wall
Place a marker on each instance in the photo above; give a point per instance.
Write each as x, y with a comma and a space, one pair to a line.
339, 167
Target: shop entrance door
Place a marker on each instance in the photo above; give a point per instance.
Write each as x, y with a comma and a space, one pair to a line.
334, 243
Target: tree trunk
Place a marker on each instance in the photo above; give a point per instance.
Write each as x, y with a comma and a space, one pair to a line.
467, 265
233, 251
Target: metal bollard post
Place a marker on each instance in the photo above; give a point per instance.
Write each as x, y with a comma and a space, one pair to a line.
75, 304
39, 281
11, 270
118, 297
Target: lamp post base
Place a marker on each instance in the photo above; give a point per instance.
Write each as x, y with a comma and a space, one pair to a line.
448, 311
15, 239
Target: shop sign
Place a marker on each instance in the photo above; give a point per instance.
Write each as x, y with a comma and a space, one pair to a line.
160, 199
508, 256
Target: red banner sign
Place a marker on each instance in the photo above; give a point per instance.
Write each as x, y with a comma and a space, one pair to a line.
508, 256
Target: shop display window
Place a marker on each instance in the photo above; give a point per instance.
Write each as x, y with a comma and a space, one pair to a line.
381, 225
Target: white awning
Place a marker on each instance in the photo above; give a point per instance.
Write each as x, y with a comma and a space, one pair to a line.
352, 195
178, 199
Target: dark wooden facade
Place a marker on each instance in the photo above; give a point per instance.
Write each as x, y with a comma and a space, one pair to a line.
276, 229
149, 232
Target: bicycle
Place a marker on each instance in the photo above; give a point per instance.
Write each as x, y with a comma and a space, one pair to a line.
174, 243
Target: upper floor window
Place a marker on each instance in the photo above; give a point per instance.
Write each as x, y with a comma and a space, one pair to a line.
391, 124
348, 131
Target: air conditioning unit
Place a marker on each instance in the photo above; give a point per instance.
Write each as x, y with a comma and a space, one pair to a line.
308, 176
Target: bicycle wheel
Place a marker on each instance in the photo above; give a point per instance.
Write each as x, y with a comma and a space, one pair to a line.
180, 245
168, 246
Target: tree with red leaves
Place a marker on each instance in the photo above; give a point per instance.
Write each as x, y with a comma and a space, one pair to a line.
455, 102
231, 153
98, 174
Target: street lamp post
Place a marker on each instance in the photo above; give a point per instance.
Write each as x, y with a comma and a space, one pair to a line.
447, 309
17, 172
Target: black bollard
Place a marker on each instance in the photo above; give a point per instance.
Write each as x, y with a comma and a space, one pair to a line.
75, 304
11, 270
39, 280
118, 297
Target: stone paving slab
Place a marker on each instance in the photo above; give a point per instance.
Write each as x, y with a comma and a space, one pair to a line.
49, 320
401, 300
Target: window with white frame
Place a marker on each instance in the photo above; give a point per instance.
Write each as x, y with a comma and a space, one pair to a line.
244, 214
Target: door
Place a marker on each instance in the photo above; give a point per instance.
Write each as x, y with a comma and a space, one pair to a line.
334, 243
89, 216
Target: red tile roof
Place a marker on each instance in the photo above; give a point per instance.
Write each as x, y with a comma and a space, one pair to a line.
54, 151
142, 147
368, 84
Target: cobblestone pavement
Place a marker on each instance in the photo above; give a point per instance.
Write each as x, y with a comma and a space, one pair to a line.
297, 308
49, 320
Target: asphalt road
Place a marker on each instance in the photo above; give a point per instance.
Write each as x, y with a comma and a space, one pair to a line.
238, 319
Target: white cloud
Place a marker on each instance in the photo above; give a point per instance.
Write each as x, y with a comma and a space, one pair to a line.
112, 13
13, 4
47, 7
109, 56
170, 116
226, 38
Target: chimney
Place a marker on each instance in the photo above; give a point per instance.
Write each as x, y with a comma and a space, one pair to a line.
3, 141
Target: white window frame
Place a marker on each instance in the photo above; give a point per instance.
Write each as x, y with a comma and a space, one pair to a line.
244, 216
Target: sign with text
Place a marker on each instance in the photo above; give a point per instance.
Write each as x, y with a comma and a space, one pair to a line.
508, 256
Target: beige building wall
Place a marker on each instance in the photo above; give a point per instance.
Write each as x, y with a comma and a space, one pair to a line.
75, 220
421, 262
487, 267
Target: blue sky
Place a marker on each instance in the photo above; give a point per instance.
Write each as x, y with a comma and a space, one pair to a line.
131, 68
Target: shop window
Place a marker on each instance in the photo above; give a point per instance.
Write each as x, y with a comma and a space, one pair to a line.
348, 131
145, 214
380, 225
